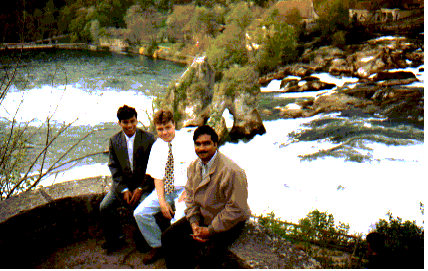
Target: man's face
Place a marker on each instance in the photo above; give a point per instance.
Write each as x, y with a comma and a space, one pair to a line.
166, 131
129, 126
205, 148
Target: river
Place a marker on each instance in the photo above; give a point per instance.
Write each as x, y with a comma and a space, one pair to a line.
353, 166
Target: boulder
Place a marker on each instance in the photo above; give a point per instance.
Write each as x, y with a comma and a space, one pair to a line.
190, 97
258, 247
247, 125
288, 82
339, 101
218, 105
197, 100
380, 76
316, 86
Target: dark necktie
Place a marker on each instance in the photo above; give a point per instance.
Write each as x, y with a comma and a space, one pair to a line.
169, 172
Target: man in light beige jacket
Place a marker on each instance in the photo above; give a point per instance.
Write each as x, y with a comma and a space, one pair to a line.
216, 211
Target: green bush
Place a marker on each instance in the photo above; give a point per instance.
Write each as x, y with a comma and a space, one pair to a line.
400, 235
339, 39
240, 14
227, 49
315, 222
404, 241
242, 79
278, 46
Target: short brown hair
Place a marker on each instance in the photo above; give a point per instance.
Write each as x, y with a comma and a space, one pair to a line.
163, 117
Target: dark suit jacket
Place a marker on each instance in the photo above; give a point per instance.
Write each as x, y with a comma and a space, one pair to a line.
120, 166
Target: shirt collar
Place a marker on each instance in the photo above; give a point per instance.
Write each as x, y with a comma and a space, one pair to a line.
129, 138
210, 162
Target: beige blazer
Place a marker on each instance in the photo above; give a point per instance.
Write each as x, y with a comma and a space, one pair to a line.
220, 200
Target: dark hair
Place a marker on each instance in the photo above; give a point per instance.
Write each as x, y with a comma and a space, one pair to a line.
163, 117
376, 241
126, 112
205, 130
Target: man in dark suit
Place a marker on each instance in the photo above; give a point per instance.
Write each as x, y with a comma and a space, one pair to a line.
129, 152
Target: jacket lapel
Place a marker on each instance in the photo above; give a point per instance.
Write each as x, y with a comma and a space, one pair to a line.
137, 143
124, 150
207, 179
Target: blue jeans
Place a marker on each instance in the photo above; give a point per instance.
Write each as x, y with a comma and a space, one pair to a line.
144, 215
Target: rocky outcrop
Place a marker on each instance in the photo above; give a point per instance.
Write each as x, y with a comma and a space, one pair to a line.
396, 103
58, 227
377, 90
360, 61
196, 100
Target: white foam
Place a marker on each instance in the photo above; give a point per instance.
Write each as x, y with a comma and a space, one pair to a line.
278, 181
228, 118
90, 107
337, 80
272, 86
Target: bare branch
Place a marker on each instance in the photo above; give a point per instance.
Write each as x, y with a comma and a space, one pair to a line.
46, 144
38, 156
52, 170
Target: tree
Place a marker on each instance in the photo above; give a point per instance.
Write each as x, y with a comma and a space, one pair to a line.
278, 45
333, 17
240, 15
180, 17
227, 49
141, 24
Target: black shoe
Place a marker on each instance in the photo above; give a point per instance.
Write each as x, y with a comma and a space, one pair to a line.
142, 246
112, 246
154, 255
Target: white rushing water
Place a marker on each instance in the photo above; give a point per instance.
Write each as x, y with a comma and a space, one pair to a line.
278, 180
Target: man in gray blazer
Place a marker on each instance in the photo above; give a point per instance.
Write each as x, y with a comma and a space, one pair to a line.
129, 152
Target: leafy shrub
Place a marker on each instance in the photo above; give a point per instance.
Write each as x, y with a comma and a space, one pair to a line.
400, 234
227, 49
278, 46
180, 17
240, 14
242, 79
315, 222
339, 39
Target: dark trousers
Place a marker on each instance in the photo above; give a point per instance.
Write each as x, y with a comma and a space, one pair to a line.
110, 222
182, 251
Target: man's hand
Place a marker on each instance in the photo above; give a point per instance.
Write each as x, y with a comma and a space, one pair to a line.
182, 197
127, 196
200, 234
166, 209
136, 196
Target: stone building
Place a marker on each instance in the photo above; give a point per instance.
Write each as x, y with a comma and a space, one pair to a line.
381, 11
305, 8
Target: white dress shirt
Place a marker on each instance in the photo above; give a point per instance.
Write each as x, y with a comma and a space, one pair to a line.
183, 152
130, 145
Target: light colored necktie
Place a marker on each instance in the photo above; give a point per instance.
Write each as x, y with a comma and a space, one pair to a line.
169, 172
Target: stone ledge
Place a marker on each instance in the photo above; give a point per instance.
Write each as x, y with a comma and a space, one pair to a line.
29, 200
37, 223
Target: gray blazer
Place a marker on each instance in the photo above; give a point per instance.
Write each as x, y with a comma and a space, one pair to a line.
120, 167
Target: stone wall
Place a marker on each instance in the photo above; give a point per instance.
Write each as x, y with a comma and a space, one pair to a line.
37, 223
33, 224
